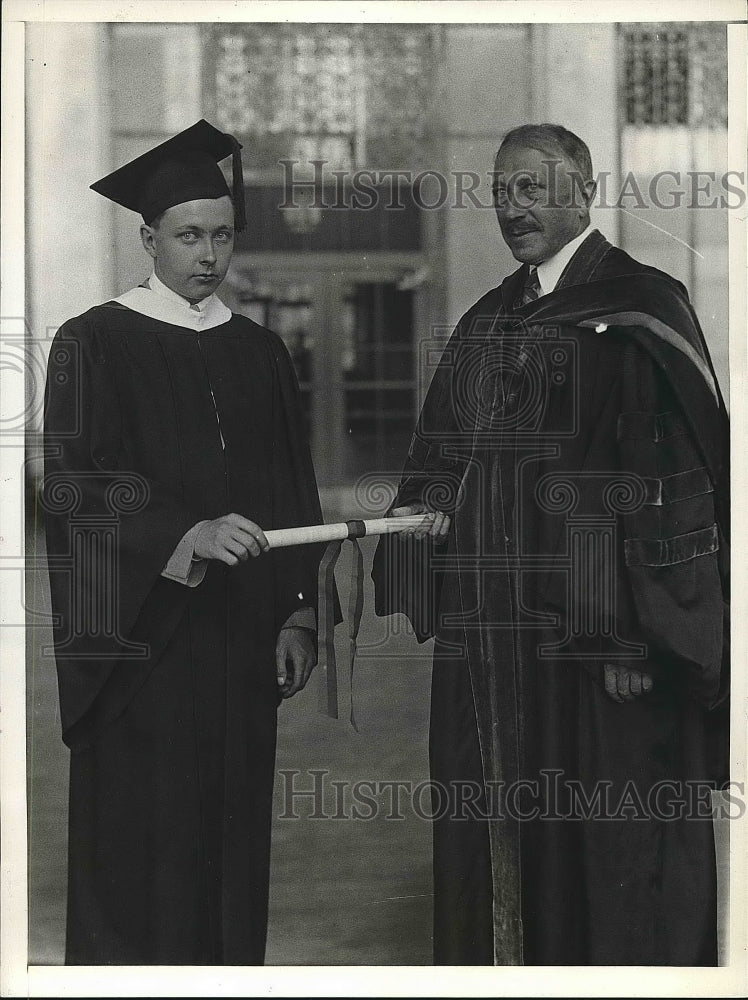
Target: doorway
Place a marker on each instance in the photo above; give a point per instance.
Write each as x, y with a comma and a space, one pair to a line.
349, 326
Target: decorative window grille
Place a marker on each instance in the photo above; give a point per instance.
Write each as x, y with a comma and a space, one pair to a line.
354, 95
675, 74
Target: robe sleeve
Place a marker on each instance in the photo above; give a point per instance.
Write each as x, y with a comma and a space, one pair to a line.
109, 533
303, 618
405, 574
673, 545
183, 566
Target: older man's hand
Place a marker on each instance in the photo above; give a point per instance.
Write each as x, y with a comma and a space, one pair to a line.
625, 683
438, 529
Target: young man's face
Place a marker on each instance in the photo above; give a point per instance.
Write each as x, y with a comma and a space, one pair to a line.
538, 206
192, 245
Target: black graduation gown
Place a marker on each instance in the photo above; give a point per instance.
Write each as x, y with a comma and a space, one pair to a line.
528, 456
168, 694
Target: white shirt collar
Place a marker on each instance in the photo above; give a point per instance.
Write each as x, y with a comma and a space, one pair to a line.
156, 285
549, 271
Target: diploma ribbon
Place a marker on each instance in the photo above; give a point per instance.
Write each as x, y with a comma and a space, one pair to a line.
335, 535
328, 689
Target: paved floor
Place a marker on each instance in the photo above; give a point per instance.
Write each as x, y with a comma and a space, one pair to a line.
344, 891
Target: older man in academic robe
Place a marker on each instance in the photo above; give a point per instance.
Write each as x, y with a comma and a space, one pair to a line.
573, 446
173, 432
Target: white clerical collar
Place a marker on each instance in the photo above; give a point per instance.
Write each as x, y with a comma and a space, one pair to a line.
156, 300
549, 271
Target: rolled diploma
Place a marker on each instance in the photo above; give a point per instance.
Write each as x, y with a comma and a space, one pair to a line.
279, 538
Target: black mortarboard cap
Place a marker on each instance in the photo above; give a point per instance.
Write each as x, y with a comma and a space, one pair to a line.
184, 168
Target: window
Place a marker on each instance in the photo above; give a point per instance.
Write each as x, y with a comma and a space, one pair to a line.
674, 74
352, 94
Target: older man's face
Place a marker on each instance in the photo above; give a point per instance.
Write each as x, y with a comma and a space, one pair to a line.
535, 198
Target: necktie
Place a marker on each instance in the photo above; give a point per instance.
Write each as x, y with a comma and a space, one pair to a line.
511, 380
532, 289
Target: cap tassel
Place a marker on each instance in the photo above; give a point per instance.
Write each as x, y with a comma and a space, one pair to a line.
240, 217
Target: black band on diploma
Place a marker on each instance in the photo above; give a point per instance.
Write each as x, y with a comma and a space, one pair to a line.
356, 529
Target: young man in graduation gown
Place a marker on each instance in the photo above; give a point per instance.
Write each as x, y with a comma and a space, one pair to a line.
173, 438
573, 444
